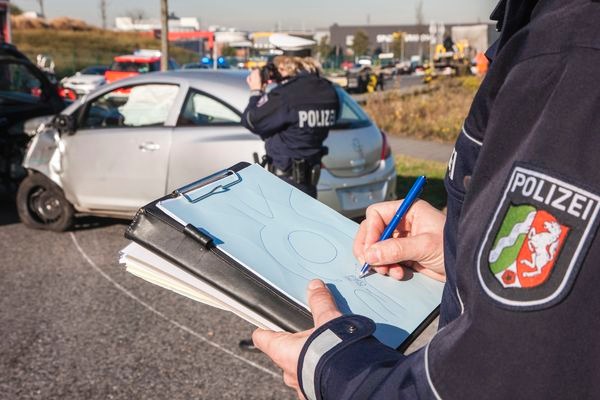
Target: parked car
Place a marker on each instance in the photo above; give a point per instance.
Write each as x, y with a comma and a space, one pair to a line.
207, 63
85, 80
195, 66
25, 93
361, 79
137, 139
140, 62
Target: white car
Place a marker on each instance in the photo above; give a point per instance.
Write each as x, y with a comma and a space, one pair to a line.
86, 80
140, 138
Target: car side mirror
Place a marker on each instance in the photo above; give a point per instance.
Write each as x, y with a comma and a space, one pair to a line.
65, 124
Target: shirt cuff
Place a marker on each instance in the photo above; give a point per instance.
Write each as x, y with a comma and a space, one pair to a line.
323, 343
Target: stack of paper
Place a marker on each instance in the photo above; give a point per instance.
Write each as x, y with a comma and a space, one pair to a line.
154, 269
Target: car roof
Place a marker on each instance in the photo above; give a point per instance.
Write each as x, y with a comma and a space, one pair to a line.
136, 59
227, 85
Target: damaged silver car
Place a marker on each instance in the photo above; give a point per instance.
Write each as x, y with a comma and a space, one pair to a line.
135, 140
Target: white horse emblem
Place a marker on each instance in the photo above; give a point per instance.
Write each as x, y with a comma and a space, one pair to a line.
543, 247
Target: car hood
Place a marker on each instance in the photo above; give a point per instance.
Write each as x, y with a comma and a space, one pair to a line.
353, 152
84, 79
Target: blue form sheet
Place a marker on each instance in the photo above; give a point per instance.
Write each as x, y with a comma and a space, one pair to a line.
288, 238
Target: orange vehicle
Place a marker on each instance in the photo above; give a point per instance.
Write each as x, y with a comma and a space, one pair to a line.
140, 62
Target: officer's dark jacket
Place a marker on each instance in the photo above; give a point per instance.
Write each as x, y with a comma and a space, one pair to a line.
294, 118
519, 317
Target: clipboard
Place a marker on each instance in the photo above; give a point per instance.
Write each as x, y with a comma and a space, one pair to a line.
259, 240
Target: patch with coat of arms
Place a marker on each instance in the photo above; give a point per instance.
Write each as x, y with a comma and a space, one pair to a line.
533, 249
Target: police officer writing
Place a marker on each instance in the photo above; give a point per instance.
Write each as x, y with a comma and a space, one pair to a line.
519, 247
293, 119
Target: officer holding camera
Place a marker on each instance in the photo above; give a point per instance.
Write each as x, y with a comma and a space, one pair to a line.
293, 118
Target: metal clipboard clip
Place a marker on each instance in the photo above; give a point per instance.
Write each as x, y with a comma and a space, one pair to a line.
228, 176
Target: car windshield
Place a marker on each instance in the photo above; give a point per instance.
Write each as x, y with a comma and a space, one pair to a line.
93, 71
130, 66
352, 115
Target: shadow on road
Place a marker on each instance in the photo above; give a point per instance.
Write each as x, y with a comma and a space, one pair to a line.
433, 192
89, 222
8, 216
8, 212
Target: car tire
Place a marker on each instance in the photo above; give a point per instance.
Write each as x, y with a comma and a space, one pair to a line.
41, 204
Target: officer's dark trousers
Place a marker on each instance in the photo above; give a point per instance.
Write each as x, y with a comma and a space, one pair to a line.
305, 187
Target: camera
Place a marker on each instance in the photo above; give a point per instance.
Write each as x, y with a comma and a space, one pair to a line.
269, 73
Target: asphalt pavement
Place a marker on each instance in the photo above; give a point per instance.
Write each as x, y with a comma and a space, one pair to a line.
75, 325
422, 149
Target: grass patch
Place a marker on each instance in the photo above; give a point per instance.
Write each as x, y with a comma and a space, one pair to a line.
74, 50
436, 115
409, 168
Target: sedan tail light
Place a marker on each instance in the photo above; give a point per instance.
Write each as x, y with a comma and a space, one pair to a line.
386, 150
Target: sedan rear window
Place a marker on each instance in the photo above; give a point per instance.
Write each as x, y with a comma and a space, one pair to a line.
18, 84
351, 115
128, 66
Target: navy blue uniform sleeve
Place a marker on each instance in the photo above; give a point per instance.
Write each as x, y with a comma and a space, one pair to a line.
266, 115
330, 369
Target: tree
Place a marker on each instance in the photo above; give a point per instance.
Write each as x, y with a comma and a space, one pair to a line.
103, 4
15, 10
228, 51
360, 46
136, 14
323, 48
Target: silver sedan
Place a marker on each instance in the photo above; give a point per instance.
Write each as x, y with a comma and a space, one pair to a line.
138, 139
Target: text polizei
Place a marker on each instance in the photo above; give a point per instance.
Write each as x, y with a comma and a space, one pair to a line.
316, 118
563, 198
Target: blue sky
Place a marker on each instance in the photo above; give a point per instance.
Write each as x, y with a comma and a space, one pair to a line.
266, 14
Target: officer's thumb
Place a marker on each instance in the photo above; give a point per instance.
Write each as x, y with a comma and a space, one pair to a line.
321, 303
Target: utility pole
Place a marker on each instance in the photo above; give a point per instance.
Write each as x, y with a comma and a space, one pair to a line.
41, 3
103, 13
164, 35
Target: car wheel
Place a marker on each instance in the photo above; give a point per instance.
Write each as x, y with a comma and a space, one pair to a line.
41, 204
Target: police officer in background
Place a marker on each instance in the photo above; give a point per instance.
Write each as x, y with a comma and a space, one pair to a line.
519, 247
293, 119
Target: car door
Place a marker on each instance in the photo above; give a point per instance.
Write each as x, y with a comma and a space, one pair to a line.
208, 137
117, 159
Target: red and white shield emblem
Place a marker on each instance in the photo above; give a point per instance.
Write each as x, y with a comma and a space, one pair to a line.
536, 242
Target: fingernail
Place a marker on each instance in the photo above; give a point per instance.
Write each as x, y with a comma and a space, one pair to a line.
372, 256
315, 284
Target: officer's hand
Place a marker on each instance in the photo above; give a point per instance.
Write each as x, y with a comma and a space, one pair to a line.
417, 242
283, 347
253, 80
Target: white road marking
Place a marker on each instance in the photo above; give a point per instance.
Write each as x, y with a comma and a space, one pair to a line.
163, 316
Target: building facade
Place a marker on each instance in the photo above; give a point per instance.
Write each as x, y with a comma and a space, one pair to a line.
417, 39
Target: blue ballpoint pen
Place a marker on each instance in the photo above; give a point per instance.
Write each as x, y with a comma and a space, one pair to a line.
410, 198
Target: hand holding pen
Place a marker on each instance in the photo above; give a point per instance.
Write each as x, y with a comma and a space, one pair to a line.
416, 242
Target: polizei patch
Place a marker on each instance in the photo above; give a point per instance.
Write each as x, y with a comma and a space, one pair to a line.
539, 235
